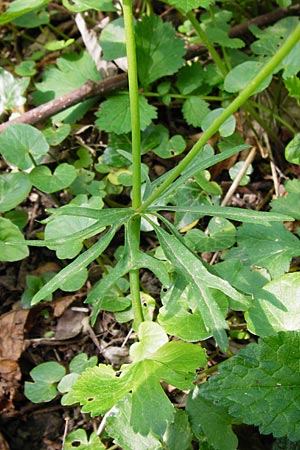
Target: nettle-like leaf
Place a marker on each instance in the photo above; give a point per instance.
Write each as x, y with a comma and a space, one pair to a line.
260, 385
159, 51
9, 234
193, 271
11, 90
100, 388
114, 114
63, 176
72, 71
21, 144
275, 306
271, 247
14, 188
211, 421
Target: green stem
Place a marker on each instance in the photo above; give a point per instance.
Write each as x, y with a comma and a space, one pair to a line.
136, 152
231, 109
215, 56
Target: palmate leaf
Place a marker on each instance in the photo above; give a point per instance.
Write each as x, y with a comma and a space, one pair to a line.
201, 280
260, 385
100, 388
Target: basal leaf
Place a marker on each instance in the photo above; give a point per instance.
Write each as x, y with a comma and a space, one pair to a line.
226, 129
18, 8
14, 188
45, 376
292, 150
63, 176
195, 110
240, 77
79, 440
114, 114
260, 385
275, 307
220, 235
190, 78
188, 5
85, 5
10, 233
72, 71
211, 420
270, 247
159, 51
20, 143
178, 435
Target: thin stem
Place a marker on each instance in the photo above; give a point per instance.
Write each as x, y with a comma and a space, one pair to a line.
134, 104
136, 153
231, 109
215, 56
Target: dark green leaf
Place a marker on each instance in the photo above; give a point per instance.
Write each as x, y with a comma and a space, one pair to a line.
14, 188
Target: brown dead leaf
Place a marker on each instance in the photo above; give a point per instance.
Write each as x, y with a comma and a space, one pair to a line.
3, 444
61, 304
69, 324
12, 344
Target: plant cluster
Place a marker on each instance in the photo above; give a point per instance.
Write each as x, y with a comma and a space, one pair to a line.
249, 291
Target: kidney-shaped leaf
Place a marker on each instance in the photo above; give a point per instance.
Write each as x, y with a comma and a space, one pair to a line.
14, 188
10, 233
20, 143
63, 176
242, 75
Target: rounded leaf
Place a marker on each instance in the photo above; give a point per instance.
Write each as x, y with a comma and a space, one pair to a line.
226, 129
242, 75
20, 144
14, 188
292, 150
63, 176
10, 233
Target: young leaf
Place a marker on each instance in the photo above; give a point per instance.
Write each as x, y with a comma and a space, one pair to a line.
211, 420
274, 307
159, 51
63, 176
21, 143
258, 385
11, 90
14, 188
45, 376
195, 273
10, 233
114, 114
270, 247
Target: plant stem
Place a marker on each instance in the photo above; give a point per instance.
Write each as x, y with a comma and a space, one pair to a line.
215, 56
231, 109
136, 152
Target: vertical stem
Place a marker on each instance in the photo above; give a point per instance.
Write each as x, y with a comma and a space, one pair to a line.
215, 56
136, 153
